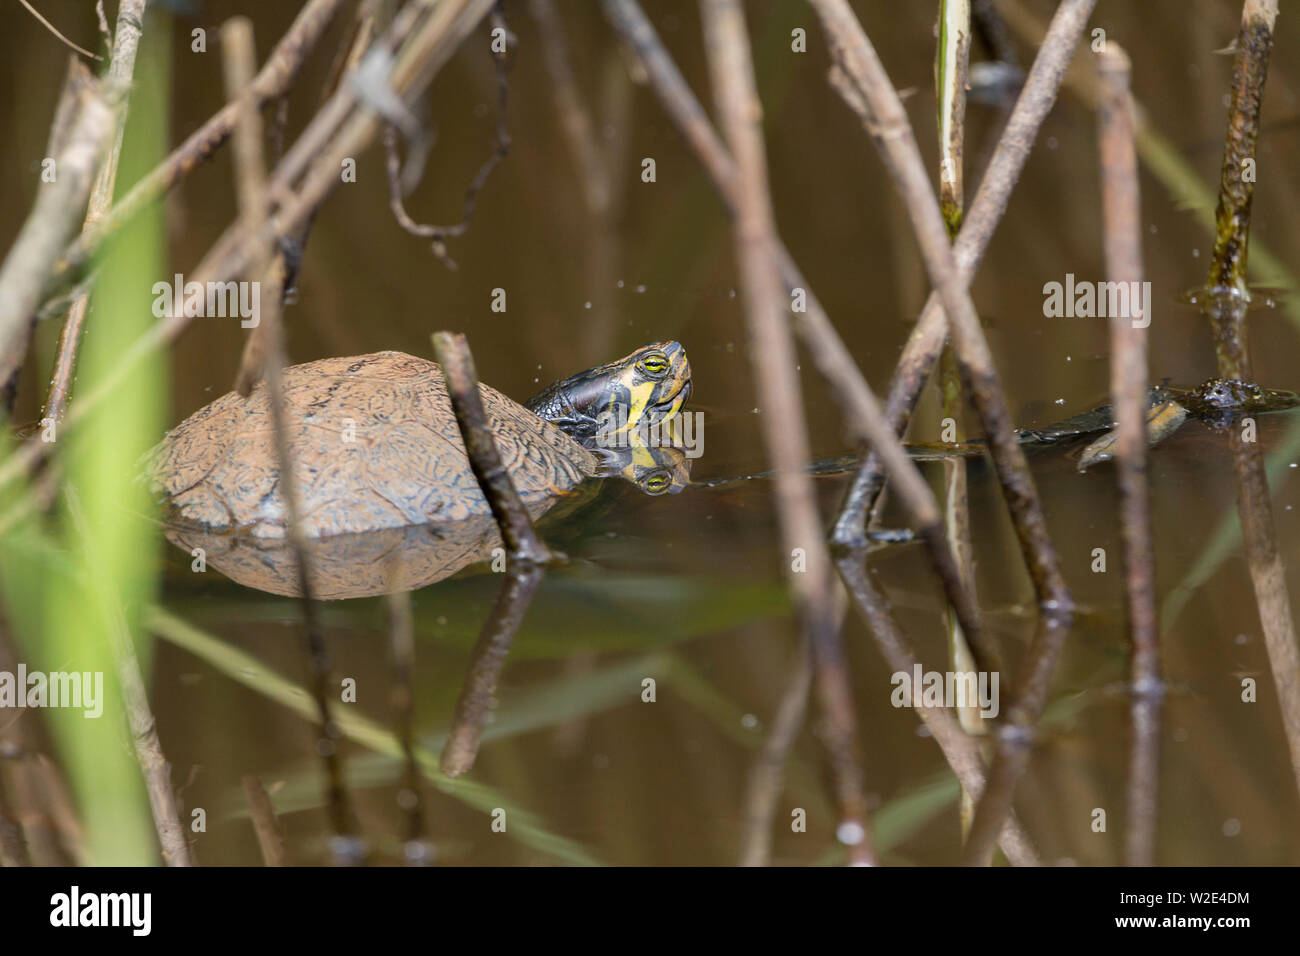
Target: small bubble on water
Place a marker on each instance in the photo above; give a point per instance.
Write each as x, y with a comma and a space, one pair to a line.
1242, 639
620, 283
1231, 827
1051, 142
1060, 401
640, 289
587, 304
1196, 253
749, 721
731, 294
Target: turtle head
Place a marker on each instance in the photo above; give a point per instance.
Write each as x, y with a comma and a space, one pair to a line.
1220, 394
648, 386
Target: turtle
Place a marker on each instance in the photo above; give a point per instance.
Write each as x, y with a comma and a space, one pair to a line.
381, 467
1216, 402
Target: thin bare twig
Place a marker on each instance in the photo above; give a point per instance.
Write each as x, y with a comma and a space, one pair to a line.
784, 430
1226, 302
273, 81
239, 60
863, 413
59, 205
978, 224
685, 111
339, 131
398, 181
121, 70
55, 30
1122, 219
859, 70
526, 559
575, 120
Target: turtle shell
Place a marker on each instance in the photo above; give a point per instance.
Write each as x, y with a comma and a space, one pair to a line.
375, 446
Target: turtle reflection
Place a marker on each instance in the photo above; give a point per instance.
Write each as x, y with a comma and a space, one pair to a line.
409, 557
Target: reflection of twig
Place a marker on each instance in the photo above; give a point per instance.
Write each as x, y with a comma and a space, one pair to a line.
960, 750
1122, 218
784, 429
270, 833
526, 562
767, 776
478, 691
41, 800
1226, 305
401, 648
154, 767
858, 68
13, 848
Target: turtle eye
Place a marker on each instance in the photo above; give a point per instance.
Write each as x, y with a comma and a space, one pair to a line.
656, 482
655, 365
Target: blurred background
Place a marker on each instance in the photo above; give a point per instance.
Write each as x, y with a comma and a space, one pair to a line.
688, 588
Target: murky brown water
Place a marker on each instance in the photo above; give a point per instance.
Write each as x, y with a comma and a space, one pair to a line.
687, 588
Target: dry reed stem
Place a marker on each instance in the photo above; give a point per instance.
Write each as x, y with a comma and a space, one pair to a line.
773, 356
1122, 223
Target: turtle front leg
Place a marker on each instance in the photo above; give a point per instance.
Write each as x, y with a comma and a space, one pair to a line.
1163, 419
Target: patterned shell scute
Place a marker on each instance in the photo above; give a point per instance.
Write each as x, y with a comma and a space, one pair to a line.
375, 445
